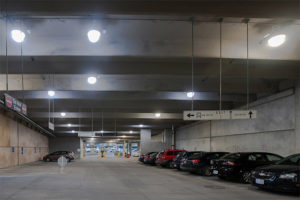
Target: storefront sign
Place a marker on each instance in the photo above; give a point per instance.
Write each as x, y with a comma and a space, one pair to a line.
15, 104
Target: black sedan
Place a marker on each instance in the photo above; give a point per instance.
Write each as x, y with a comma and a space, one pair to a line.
200, 162
181, 157
283, 176
239, 165
151, 158
142, 156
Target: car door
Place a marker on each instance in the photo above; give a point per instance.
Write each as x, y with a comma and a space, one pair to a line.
255, 160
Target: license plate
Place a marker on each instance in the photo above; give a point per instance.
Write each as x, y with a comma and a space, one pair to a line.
215, 172
259, 181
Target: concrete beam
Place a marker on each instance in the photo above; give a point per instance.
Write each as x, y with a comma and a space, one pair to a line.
263, 8
106, 115
133, 83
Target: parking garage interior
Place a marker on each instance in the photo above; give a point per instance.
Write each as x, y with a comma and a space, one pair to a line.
103, 83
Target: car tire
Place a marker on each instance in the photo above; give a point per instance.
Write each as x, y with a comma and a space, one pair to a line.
169, 164
221, 177
245, 178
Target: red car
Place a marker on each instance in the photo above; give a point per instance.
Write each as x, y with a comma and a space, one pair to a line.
166, 157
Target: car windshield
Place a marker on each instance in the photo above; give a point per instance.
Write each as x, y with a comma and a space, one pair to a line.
196, 155
290, 160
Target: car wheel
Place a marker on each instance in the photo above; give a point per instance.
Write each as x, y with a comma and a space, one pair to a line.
245, 177
169, 165
48, 160
206, 171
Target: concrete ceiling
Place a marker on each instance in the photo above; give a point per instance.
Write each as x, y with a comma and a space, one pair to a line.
143, 59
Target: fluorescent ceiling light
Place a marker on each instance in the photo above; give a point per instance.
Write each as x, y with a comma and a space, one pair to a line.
92, 80
130, 131
93, 36
63, 114
51, 93
141, 125
73, 131
157, 115
276, 40
17, 35
101, 131
69, 125
190, 94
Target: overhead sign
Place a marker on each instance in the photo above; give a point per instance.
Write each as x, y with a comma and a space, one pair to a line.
15, 104
86, 134
51, 126
218, 114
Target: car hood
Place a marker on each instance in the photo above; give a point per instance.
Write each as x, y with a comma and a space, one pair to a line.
279, 168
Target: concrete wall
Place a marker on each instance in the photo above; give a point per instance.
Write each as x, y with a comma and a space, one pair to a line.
65, 144
157, 142
14, 135
272, 131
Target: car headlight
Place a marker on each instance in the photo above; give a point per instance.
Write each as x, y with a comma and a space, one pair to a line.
288, 176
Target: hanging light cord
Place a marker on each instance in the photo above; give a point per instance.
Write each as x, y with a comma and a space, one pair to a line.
220, 104
6, 51
247, 67
193, 63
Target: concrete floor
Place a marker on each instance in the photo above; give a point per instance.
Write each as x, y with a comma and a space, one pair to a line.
114, 179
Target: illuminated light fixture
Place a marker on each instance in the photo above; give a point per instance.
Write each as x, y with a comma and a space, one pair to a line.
17, 35
123, 136
51, 93
63, 114
94, 36
69, 125
190, 94
130, 131
73, 131
92, 80
101, 131
277, 40
141, 125
157, 115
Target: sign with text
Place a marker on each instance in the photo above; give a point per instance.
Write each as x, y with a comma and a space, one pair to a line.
196, 115
15, 104
51, 126
86, 134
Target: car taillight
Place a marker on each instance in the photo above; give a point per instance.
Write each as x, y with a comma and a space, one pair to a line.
150, 157
229, 163
195, 161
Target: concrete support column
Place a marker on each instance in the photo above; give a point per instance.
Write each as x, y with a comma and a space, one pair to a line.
297, 120
145, 140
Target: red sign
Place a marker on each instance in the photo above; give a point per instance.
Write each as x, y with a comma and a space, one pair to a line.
8, 101
15, 104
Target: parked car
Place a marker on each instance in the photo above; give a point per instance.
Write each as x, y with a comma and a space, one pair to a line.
283, 176
181, 157
142, 156
166, 157
151, 158
57, 154
200, 162
239, 165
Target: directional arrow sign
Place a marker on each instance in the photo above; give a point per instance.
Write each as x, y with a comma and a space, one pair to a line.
218, 114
